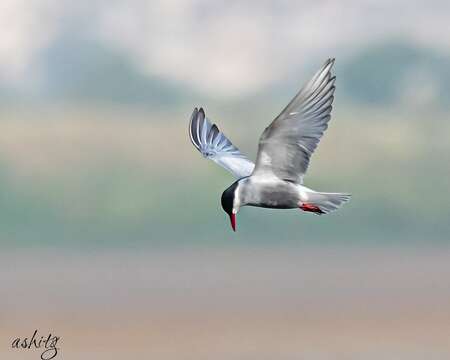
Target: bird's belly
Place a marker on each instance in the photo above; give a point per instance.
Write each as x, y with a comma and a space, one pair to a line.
274, 196
273, 205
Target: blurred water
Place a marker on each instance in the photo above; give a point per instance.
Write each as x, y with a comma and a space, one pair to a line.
235, 302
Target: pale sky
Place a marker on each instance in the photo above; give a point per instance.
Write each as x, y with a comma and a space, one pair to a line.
216, 47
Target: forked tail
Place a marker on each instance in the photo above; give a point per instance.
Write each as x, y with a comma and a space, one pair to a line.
324, 203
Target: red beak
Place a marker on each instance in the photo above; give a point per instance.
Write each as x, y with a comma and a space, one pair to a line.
233, 221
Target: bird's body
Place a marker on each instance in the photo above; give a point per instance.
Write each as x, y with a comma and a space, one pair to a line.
272, 193
285, 147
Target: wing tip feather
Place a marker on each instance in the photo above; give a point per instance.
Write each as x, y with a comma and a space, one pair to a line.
193, 124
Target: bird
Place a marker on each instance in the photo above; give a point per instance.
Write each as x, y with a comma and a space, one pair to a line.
285, 147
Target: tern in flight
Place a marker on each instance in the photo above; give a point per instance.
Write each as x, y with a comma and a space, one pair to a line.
284, 151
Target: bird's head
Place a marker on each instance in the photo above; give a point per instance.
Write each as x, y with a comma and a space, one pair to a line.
229, 203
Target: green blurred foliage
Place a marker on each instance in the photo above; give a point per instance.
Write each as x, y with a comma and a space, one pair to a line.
99, 155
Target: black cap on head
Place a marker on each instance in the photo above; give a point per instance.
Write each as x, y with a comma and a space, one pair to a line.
228, 198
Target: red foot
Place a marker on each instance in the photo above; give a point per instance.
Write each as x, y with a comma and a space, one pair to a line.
310, 208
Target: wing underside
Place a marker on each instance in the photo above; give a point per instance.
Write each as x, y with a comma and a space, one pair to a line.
214, 145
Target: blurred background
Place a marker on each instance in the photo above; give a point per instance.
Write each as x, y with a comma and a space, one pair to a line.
112, 235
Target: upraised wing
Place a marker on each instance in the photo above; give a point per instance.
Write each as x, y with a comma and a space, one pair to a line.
286, 145
214, 145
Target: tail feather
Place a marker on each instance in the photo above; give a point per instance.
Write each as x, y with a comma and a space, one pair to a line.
327, 202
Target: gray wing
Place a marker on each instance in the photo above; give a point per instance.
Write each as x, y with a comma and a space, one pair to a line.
286, 145
214, 145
